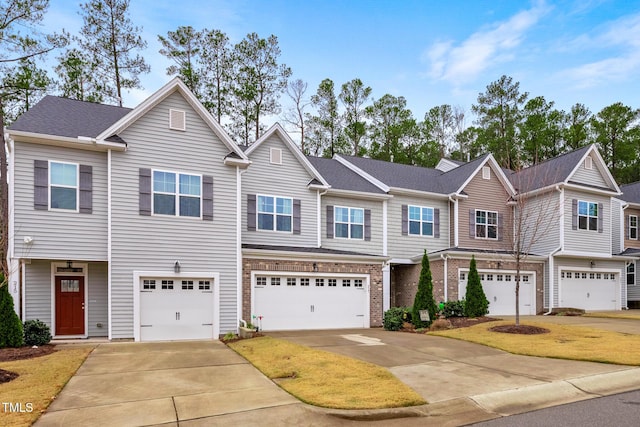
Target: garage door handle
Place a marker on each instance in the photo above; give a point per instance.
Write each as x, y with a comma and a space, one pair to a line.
207, 324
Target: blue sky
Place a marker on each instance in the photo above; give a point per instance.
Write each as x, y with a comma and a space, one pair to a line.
432, 52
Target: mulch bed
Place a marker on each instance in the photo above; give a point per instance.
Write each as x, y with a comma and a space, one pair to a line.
464, 322
11, 354
520, 329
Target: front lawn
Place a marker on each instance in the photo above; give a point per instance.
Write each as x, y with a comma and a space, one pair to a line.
326, 379
40, 381
629, 314
562, 342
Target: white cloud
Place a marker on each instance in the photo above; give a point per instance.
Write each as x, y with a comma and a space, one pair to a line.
463, 62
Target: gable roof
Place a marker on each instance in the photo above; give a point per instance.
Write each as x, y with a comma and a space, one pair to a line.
293, 148
558, 170
69, 118
175, 85
631, 192
341, 177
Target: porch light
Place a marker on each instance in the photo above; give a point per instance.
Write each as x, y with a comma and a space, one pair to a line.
315, 267
592, 263
176, 267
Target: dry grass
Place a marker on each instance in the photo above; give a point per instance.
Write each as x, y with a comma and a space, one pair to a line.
563, 342
630, 314
40, 381
326, 379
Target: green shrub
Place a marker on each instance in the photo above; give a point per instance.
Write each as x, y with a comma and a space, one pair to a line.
10, 324
424, 297
453, 309
393, 318
476, 304
36, 333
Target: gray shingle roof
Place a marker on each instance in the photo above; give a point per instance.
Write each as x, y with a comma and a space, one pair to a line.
341, 177
631, 192
67, 117
549, 172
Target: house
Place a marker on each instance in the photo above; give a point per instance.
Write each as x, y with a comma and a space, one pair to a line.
628, 242
151, 224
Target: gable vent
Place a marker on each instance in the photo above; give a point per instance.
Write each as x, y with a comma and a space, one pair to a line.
588, 163
177, 120
276, 156
486, 172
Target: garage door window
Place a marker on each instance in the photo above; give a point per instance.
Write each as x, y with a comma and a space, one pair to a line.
346, 283
304, 281
167, 284
319, 282
291, 281
187, 285
204, 285
148, 284
357, 283
332, 282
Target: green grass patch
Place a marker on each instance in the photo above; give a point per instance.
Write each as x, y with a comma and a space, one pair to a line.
563, 342
40, 381
326, 379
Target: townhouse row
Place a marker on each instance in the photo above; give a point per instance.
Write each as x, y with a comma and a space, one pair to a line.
150, 223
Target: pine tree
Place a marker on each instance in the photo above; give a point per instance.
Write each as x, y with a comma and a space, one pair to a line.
424, 297
476, 303
10, 325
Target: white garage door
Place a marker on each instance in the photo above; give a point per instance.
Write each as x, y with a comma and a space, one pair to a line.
290, 302
500, 290
589, 290
176, 309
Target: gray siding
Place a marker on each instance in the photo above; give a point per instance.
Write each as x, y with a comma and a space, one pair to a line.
633, 291
38, 291
156, 242
617, 222
58, 234
584, 263
542, 219
400, 246
589, 176
374, 246
587, 240
289, 179
98, 304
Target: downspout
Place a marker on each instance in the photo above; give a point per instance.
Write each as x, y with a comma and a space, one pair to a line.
552, 254
445, 282
319, 216
455, 220
109, 247
239, 173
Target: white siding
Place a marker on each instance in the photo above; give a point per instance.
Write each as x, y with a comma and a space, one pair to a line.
591, 176
58, 234
587, 240
408, 246
374, 246
38, 291
288, 179
156, 242
542, 222
97, 303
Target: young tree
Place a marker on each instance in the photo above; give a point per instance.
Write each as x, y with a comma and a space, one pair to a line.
111, 40
424, 296
259, 79
77, 78
295, 115
325, 128
391, 122
353, 97
476, 303
216, 68
183, 48
10, 325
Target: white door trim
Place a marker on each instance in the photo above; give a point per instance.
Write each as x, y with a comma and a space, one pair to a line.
85, 275
137, 275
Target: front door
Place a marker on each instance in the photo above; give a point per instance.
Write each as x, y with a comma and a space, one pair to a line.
69, 305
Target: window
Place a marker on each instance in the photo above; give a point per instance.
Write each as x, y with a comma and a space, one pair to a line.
486, 172
167, 284
332, 282
481, 276
499, 277
420, 221
63, 188
486, 224
304, 281
562, 275
633, 227
187, 284
598, 276
606, 276
588, 163
357, 283
592, 275
291, 281
182, 199
148, 284
346, 283
69, 285
587, 216
462, 276
275, 281
275, 156
204, 285
262, 281
568, 275
349, 223
319, 282
584, 275
631, 273
613, 276
275, 213
507, 278
525, 278
489, 276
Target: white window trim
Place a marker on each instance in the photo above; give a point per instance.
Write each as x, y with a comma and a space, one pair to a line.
85, 275
176, 194
587, 216
420, 221
275, 223
349, 223
77, 186
635, 272
486, 225
486, 172
588, 163
633, 227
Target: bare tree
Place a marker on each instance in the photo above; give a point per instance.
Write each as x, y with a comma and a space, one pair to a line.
295, 115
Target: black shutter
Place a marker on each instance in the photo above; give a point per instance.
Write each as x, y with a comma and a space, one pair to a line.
207, 198
405, 220
367, 224
41, 185
251, 212
329, 222
574, 214
86, 189
144, 191
600, 217
297, 215
436, 223
472, 223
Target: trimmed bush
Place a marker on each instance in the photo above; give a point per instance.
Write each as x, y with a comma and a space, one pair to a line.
393, 318
476, 304
424, 297
10, 324
453, 309
36, 333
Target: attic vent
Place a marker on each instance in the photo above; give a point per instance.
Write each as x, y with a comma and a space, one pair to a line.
486, 172
588, 163
177, 120
276, 156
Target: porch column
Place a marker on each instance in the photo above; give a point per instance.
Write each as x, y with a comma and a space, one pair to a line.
386, 287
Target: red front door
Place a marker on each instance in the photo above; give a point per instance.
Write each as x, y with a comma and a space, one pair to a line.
69, 305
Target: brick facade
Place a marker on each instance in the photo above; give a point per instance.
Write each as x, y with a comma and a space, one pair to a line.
404, 279
373, 270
